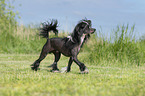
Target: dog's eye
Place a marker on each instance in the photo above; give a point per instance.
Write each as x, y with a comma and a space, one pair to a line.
88, 27
85, 26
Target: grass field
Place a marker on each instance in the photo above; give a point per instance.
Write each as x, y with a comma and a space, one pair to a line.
17, 79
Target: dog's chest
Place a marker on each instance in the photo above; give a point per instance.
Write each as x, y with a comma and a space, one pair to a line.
82, 40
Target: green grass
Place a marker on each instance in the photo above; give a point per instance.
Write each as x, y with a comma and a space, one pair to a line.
17, 79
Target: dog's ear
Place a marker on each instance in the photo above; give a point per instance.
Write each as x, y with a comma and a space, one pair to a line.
89, 21
77, 28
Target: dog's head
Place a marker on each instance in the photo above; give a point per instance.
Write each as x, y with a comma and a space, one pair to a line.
85, 27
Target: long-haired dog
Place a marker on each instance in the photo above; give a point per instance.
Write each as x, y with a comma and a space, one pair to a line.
68, 46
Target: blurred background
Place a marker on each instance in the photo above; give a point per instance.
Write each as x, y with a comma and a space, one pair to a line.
120, 27
105, 13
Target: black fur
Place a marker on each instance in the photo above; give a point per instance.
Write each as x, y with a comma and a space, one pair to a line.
68, 46
47, 27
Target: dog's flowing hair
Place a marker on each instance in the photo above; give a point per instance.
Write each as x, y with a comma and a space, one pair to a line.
68, 46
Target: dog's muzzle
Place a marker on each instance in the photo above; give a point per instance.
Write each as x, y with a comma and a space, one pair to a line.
92, 30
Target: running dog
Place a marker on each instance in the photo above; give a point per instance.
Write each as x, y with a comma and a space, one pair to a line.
68, 46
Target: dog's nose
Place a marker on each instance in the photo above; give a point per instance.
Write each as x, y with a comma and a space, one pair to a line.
94, 29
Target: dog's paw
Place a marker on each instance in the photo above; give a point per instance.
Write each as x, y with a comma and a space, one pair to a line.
34, 68
55, 71
86, 71
64, 70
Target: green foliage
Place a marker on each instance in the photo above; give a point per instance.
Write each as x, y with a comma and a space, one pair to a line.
7, 26
7, 17
124, 49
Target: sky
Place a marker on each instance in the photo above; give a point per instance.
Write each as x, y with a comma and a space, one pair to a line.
105, 13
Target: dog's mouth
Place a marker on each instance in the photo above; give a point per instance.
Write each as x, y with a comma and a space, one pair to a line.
91, 31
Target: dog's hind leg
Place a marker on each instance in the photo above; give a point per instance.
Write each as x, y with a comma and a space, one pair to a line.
69, 64
43, 54
54, 65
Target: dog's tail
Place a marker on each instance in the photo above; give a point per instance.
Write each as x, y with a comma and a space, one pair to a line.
47, 27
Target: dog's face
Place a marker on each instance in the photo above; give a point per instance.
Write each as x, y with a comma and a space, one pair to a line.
85, 27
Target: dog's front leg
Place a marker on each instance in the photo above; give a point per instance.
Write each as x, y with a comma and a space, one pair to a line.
82, 66
68, 68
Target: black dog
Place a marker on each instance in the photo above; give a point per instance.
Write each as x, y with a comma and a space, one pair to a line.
68, 46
